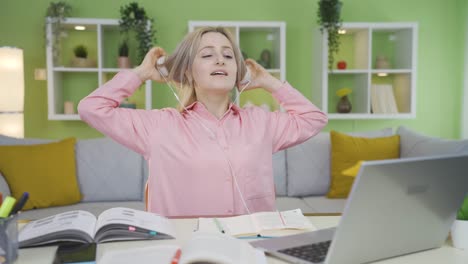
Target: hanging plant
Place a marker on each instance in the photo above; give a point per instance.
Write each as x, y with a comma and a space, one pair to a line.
328, 13
134, 18
57, 12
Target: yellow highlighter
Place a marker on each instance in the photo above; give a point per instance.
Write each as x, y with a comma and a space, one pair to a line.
6, 207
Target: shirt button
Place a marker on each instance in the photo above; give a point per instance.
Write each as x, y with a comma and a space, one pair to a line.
229, 211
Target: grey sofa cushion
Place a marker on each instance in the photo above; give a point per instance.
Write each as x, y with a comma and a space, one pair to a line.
288, 203
8, 141
416, 145
4, 188
308, 164
279, 172
108, 171
322, 204
95, 208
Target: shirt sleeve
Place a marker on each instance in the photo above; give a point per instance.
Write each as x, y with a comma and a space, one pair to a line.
130, 127
301, 121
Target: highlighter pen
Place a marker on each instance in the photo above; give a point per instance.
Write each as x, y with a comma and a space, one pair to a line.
218, 224
7, 205
20, 204
176, 258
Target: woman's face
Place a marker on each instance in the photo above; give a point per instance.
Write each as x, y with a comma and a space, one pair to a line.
214, 68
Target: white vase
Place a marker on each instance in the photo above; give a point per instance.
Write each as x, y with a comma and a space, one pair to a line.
459, 233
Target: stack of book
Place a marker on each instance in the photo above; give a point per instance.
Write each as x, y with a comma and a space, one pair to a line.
383, 99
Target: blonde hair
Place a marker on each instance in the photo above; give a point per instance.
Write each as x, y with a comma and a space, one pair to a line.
179, 63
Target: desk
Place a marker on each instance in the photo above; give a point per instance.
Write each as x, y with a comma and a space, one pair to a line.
184, 227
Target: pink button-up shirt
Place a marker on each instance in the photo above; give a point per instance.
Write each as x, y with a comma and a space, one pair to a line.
189, 163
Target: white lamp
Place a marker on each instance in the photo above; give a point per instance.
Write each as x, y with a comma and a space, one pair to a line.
11, 92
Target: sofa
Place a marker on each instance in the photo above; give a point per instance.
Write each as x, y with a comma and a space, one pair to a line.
111, 175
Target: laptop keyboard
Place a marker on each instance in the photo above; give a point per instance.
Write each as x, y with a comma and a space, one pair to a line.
314, 253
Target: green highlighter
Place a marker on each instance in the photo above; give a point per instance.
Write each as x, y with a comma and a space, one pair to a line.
6, 207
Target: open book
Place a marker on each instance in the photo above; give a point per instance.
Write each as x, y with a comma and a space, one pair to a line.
80, 226
202, 247
256, 223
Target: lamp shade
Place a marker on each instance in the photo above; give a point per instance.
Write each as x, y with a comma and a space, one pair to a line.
11, 91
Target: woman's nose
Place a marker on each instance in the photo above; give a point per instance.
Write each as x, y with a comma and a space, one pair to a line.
219, 60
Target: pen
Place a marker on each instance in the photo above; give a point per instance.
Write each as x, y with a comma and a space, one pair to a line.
20, 204
218, 224
175, 259
142, 230
7, 205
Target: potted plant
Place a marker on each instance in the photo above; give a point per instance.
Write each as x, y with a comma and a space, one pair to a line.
343, 105
123, 60
81, 57
459, 231
329, 19
56, 14
134, 18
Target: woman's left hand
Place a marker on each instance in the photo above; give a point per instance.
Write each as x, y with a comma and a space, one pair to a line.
260, 78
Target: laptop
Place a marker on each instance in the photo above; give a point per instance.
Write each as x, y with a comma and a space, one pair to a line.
395, 207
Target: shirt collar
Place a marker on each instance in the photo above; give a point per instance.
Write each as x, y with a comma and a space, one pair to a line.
200, 108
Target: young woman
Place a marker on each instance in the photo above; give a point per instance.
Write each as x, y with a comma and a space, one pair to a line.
210, 157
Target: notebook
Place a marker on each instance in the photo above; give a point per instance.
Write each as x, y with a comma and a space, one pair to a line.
395, 207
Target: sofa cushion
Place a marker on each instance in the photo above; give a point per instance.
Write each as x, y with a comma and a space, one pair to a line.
8, 141
108, 171
46, 171
93, 207
288, 203
308, 164
348, 150
416, 145
4, 188
279, 172
321, 204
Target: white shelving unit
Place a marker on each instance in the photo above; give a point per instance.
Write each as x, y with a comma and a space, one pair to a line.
359, 48
252, 38
67, 83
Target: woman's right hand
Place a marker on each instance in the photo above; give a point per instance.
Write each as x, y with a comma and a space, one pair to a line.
147, 69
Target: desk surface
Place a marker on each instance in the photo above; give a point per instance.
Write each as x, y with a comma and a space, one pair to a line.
184, 228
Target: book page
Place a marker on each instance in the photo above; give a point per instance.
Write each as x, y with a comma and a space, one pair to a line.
130, 220
219, 248
144, 255
61, 223
295, 219
235, 226
292, 219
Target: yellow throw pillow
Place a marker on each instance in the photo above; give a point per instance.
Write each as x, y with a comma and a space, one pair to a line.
46, 171
347, 150
353, 170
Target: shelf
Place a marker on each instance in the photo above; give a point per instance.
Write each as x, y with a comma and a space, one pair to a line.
380, 70
355, 71
372, 116
67, 84
73, 69
64, 117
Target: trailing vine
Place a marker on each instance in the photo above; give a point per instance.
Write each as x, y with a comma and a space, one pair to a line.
328, 14
57, 12
133, 17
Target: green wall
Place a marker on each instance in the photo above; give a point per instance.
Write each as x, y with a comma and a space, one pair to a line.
440, 51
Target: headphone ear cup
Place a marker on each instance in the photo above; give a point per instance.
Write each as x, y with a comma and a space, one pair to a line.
162, 69
247, 77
